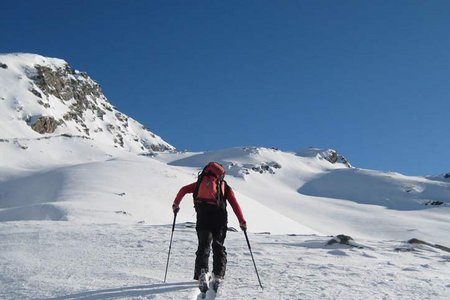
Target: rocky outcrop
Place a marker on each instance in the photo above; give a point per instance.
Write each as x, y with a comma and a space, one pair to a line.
329, 155
434, 202
268, 167
415, 241
333, 157
343, 240
65, 84
45, 124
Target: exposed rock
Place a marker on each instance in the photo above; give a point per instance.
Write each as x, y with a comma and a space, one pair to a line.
121, 117
333, 157
266, 167
107, 107
148, 154
344, 240
420, 242
119, 140
158, 147
3, 66
330, 155
100, 113
110, 127
67, 84
64, 83
20, 145
434, 202
51, 82
45, 125
46, 105
122, 212
36, 93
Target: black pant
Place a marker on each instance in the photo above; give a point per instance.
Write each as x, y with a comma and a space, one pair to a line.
211, 227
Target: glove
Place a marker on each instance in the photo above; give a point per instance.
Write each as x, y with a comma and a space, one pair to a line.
175, 208
243, 225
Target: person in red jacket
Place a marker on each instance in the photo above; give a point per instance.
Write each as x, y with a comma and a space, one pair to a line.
211, 226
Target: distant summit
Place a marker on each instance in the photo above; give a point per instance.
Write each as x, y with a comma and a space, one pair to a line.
45, 97
330, 155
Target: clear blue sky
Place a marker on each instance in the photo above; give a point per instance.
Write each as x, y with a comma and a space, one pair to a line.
370, 79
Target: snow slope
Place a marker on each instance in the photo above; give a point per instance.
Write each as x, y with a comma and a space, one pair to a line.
86, 215
99, 229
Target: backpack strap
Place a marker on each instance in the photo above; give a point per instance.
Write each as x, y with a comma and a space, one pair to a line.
222, 197
197, 185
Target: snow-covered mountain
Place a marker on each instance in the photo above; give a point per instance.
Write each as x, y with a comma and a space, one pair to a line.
86, 194
45, 97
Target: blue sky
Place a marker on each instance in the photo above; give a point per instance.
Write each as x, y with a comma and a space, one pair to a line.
367, 78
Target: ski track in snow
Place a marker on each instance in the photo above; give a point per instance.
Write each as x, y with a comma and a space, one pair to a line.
66, 260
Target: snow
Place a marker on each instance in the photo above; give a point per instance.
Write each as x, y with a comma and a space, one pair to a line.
100, 229
82, 219
64, 260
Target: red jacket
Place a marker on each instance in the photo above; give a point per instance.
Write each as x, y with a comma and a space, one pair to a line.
230, 197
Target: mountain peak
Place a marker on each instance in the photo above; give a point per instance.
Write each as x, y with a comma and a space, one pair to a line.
20, 60
45, 96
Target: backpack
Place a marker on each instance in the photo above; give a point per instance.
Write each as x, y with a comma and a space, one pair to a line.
211, 185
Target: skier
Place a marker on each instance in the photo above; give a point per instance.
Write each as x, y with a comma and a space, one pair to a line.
210, 195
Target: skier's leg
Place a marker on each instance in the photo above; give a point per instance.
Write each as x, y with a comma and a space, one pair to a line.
219, 251
203, 250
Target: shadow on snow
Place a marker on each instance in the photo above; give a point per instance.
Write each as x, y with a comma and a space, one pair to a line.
375, 188
132, 291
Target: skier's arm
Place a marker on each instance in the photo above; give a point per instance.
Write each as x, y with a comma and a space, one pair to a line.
183, 191
236, 208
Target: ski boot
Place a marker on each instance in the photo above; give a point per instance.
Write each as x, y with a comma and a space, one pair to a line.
203, 283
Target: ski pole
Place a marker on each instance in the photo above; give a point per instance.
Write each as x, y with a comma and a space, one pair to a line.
170, 245
250, 248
